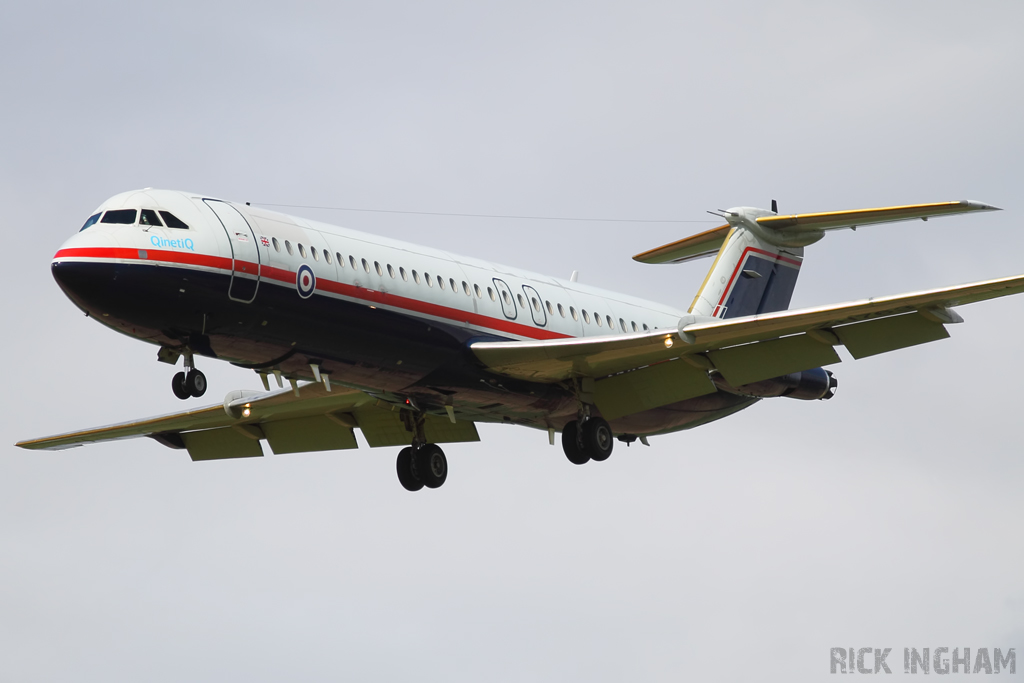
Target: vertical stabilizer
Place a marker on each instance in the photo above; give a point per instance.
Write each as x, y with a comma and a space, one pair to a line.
750, 275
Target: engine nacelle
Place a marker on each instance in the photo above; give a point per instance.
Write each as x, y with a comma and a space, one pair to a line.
807, 385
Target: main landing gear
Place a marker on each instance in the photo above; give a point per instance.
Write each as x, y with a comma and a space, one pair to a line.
591, 441
422, 466
189, 383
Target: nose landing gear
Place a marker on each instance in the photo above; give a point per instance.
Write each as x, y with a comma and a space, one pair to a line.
191, 383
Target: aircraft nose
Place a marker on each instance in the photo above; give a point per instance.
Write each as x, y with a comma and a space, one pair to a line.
81, 267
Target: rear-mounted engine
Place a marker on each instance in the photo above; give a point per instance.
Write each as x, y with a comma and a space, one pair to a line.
808, 385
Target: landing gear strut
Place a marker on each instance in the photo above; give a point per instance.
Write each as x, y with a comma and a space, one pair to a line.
592, 441
189, 383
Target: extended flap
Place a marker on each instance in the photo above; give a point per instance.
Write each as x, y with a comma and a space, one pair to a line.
763, 360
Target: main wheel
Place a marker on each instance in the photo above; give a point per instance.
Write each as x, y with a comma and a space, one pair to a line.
597, 439
195, 383
432, 465
406, 476
178, 386
571, 444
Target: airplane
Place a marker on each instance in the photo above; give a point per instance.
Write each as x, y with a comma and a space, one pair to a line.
413, 346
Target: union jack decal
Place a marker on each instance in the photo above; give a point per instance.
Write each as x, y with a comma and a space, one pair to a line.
264, 241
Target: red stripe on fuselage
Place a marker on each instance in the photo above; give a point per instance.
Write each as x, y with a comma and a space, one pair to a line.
370, 296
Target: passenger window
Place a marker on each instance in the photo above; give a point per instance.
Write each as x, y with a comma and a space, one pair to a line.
277, 245
551, 309
415, 277
149, 217
366, 265
440, 282
536, 304
597, 319
465, 288
506, 297
352, 262
316, 256
288, 247
646, 329
405, 275
391, 271
635, 328
586, 316
341, 259
622, 325
479, 294
490, 293
172, 221
376, 266
327, 256
611, 323
120, 217
92, 221
522, 301
561, 311
575, 316
455, 287
426, 278
302, 250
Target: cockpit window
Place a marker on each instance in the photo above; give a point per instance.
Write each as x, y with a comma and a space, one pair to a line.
149, 217
120, 216
92, 220
173, 221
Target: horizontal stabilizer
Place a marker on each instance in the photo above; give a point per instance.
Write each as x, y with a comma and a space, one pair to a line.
834, 220
792, 226
688, 249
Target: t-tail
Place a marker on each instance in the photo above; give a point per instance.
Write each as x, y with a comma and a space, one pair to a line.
758, 253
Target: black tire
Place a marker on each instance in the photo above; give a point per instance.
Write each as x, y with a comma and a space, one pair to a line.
432, 465
571, 444
598, 439
195, 383
178, 386
406, 476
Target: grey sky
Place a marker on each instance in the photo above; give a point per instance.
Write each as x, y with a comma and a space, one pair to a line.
887, 517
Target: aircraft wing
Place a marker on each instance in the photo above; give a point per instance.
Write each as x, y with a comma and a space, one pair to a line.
635, 372
307, 418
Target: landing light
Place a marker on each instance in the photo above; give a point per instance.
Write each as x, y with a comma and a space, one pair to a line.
668, 342
246, 412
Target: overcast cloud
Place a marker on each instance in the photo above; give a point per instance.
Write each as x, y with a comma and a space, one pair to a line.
743, 550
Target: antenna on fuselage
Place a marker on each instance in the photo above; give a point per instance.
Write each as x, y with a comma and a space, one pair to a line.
575, 276
775, 206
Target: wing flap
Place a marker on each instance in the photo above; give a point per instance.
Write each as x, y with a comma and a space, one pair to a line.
308, 434
762, 360
220, 444
889, 334
651, 387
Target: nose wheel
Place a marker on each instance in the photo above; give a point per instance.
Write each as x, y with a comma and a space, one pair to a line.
189, 384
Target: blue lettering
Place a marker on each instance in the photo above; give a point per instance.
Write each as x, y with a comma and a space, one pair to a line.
158, 241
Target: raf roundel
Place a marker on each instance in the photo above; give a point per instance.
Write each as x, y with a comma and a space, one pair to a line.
305, 281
